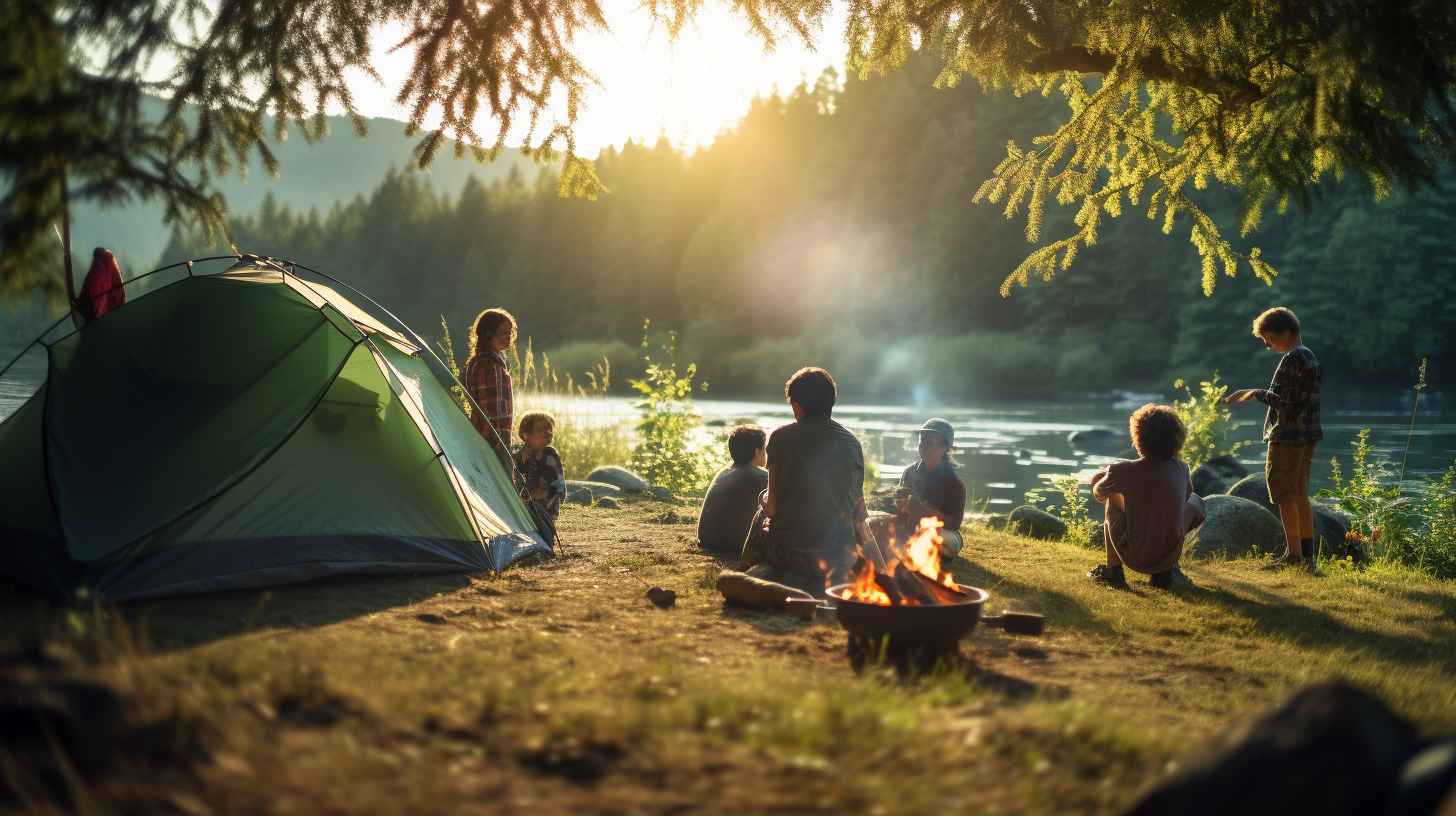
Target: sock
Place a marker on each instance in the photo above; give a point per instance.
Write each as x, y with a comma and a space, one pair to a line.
1306, 546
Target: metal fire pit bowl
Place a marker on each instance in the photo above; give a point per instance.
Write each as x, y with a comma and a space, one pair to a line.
938, 625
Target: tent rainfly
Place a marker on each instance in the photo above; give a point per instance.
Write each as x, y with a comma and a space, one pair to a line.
242, 429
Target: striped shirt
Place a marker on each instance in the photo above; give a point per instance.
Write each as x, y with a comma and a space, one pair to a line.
489, 384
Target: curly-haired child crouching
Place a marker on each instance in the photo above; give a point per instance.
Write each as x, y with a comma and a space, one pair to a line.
1149, 502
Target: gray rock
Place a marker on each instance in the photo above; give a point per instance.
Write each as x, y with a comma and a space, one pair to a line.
1207, 481
608, 503
1330, 526
1097, 440
1227, 467
588, 492
1235, 527
1338, 751
621, 477
661, 493
1255, 489
1030, 521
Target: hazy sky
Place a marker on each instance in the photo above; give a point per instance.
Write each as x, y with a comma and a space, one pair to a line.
688, 90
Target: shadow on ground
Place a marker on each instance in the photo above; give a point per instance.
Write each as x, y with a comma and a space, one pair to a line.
168, 624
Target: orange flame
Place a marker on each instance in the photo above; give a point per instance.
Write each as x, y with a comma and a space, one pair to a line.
921, 553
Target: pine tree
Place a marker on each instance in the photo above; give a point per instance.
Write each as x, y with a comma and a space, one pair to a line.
1164, 96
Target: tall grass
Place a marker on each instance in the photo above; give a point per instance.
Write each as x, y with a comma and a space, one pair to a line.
587, 434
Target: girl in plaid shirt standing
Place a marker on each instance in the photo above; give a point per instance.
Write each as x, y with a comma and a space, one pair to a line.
489, 381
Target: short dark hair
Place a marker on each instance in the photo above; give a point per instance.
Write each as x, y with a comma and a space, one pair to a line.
1156, 431
744, 441
531, 420
813, 389
1278, 320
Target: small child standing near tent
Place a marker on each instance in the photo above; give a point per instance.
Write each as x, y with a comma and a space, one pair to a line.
488, 380
543, 477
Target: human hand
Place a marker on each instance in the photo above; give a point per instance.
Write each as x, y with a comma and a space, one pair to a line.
1241, 395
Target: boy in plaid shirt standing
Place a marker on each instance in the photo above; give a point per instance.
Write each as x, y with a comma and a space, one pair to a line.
1292, 429
489, 381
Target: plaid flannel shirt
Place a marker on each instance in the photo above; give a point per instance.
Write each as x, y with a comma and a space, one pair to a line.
1294, 400
489, 383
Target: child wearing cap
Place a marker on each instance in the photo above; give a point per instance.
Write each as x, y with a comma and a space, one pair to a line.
930, 487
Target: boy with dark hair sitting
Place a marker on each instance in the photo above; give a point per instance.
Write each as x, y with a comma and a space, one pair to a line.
812, 523
733, 496
1149, 502
1292, 428
539, 467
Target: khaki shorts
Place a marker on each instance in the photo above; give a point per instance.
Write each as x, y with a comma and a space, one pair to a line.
1286, 468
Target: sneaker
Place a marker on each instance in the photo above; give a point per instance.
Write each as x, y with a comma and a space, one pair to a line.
1108, 576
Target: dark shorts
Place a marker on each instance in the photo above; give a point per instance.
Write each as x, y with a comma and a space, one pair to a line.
1286, 468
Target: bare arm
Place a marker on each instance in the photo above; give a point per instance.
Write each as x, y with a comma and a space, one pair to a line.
770, 503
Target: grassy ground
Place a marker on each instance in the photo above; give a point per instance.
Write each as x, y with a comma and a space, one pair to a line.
558, 688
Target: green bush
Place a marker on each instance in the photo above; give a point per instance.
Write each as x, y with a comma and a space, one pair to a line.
1416, 530
1068, 504
665, 453
1209, 422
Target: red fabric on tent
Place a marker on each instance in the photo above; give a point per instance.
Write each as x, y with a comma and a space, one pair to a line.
102, 291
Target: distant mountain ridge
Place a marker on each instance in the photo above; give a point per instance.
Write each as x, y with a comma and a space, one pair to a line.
336, 168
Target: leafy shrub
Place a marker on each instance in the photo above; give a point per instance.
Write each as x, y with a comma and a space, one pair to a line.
1068, 504
1416, 530
665, 453
1209, 422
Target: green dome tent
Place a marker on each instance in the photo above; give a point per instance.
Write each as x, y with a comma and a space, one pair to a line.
239, 429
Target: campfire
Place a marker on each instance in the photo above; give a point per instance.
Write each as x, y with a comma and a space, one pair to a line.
913, 576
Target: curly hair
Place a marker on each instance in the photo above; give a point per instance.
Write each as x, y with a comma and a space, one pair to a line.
813, 389
1156, 431
1278, 320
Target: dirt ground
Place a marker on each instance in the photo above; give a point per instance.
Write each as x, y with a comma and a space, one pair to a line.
558, 688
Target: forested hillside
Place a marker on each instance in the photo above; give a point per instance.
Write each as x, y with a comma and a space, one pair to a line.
834, 225
334, 168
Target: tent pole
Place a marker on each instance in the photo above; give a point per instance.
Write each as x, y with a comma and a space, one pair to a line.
66, 247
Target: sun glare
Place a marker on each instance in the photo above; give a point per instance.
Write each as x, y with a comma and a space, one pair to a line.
688, 90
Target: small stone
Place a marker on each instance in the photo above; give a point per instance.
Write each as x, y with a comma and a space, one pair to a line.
662, 598
608, 504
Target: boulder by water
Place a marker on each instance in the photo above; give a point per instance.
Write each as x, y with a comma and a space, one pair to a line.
1207, 481
588, 492
1227, 467
1097, 440
621, 477
1254, 488
1234, 527
1031, 521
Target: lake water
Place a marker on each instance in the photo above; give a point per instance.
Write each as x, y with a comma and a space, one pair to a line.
1006, 449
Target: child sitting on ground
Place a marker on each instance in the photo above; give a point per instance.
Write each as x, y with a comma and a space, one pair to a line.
732, 498
1149, 503
543, 478
930, 487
